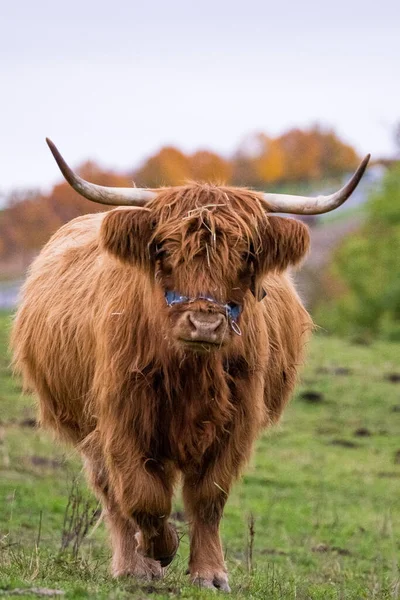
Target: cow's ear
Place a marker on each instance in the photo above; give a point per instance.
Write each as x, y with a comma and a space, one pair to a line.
127, 235
284, 242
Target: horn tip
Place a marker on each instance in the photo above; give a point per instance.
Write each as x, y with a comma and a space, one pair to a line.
51, 145
363, 165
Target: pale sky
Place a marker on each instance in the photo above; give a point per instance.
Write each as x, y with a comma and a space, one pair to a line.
114, 81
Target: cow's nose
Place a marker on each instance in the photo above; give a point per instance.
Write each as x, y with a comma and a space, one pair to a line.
205, 324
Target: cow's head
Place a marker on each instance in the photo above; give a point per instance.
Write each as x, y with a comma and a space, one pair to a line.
207, 248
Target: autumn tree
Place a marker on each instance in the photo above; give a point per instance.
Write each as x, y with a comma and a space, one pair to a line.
168, 167
209, 167
335, 157
30, 218
301, 155
315, 153
269, 165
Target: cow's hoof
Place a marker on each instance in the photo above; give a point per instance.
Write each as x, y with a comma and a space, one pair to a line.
163, 549
218, 582
167, 559
145, 569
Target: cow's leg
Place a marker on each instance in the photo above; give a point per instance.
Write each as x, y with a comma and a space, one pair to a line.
150, 507
127, 557
205, 498
123, 531
143, 491
143, 543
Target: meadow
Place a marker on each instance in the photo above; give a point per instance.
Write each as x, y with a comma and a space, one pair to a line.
315, 517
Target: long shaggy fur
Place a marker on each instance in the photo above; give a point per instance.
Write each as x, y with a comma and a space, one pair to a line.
92, 338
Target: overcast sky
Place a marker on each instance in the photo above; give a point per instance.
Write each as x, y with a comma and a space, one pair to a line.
113, 81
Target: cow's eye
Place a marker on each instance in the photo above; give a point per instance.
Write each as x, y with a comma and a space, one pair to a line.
161, 253
234, 310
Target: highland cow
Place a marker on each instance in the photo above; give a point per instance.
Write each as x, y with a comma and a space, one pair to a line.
160, 339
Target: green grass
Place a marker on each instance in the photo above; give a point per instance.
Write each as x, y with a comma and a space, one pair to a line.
325, 498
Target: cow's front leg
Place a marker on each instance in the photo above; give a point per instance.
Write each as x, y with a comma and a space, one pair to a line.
144, 495
136, 493
127, 560
205, 498
157, 538
135, 551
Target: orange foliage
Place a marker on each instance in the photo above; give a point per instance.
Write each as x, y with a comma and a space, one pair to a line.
168, 167
31, 218
313, 154
208, 167
301, 153
270, 164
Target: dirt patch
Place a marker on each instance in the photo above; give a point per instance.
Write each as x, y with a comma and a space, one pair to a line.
343, 443
392, 377
311, 397
152, 589
397, 457
326, 548
362, 432
274, 552
28, 422
334, 371
361, 340
42, 461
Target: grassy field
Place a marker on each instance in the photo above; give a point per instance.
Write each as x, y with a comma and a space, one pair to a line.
323, 488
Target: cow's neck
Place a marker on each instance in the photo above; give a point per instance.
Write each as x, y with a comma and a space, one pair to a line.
194, 406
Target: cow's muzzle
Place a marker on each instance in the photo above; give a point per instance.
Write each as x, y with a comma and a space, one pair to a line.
204, 324
197, 328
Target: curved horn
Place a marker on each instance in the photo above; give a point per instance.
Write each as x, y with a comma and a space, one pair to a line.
98, 193
305, 205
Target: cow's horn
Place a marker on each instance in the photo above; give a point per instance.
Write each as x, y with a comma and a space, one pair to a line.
304, 205
98, 193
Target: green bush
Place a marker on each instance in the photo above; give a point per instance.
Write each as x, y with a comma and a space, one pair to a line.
367, 268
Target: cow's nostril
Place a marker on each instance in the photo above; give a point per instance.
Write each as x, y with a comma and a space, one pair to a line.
217, 323
205, 322
192, 323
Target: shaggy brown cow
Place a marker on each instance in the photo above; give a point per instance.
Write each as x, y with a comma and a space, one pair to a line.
160, 340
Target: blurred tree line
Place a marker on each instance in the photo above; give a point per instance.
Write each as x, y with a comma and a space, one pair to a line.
30, 217
298, 157
365, 271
